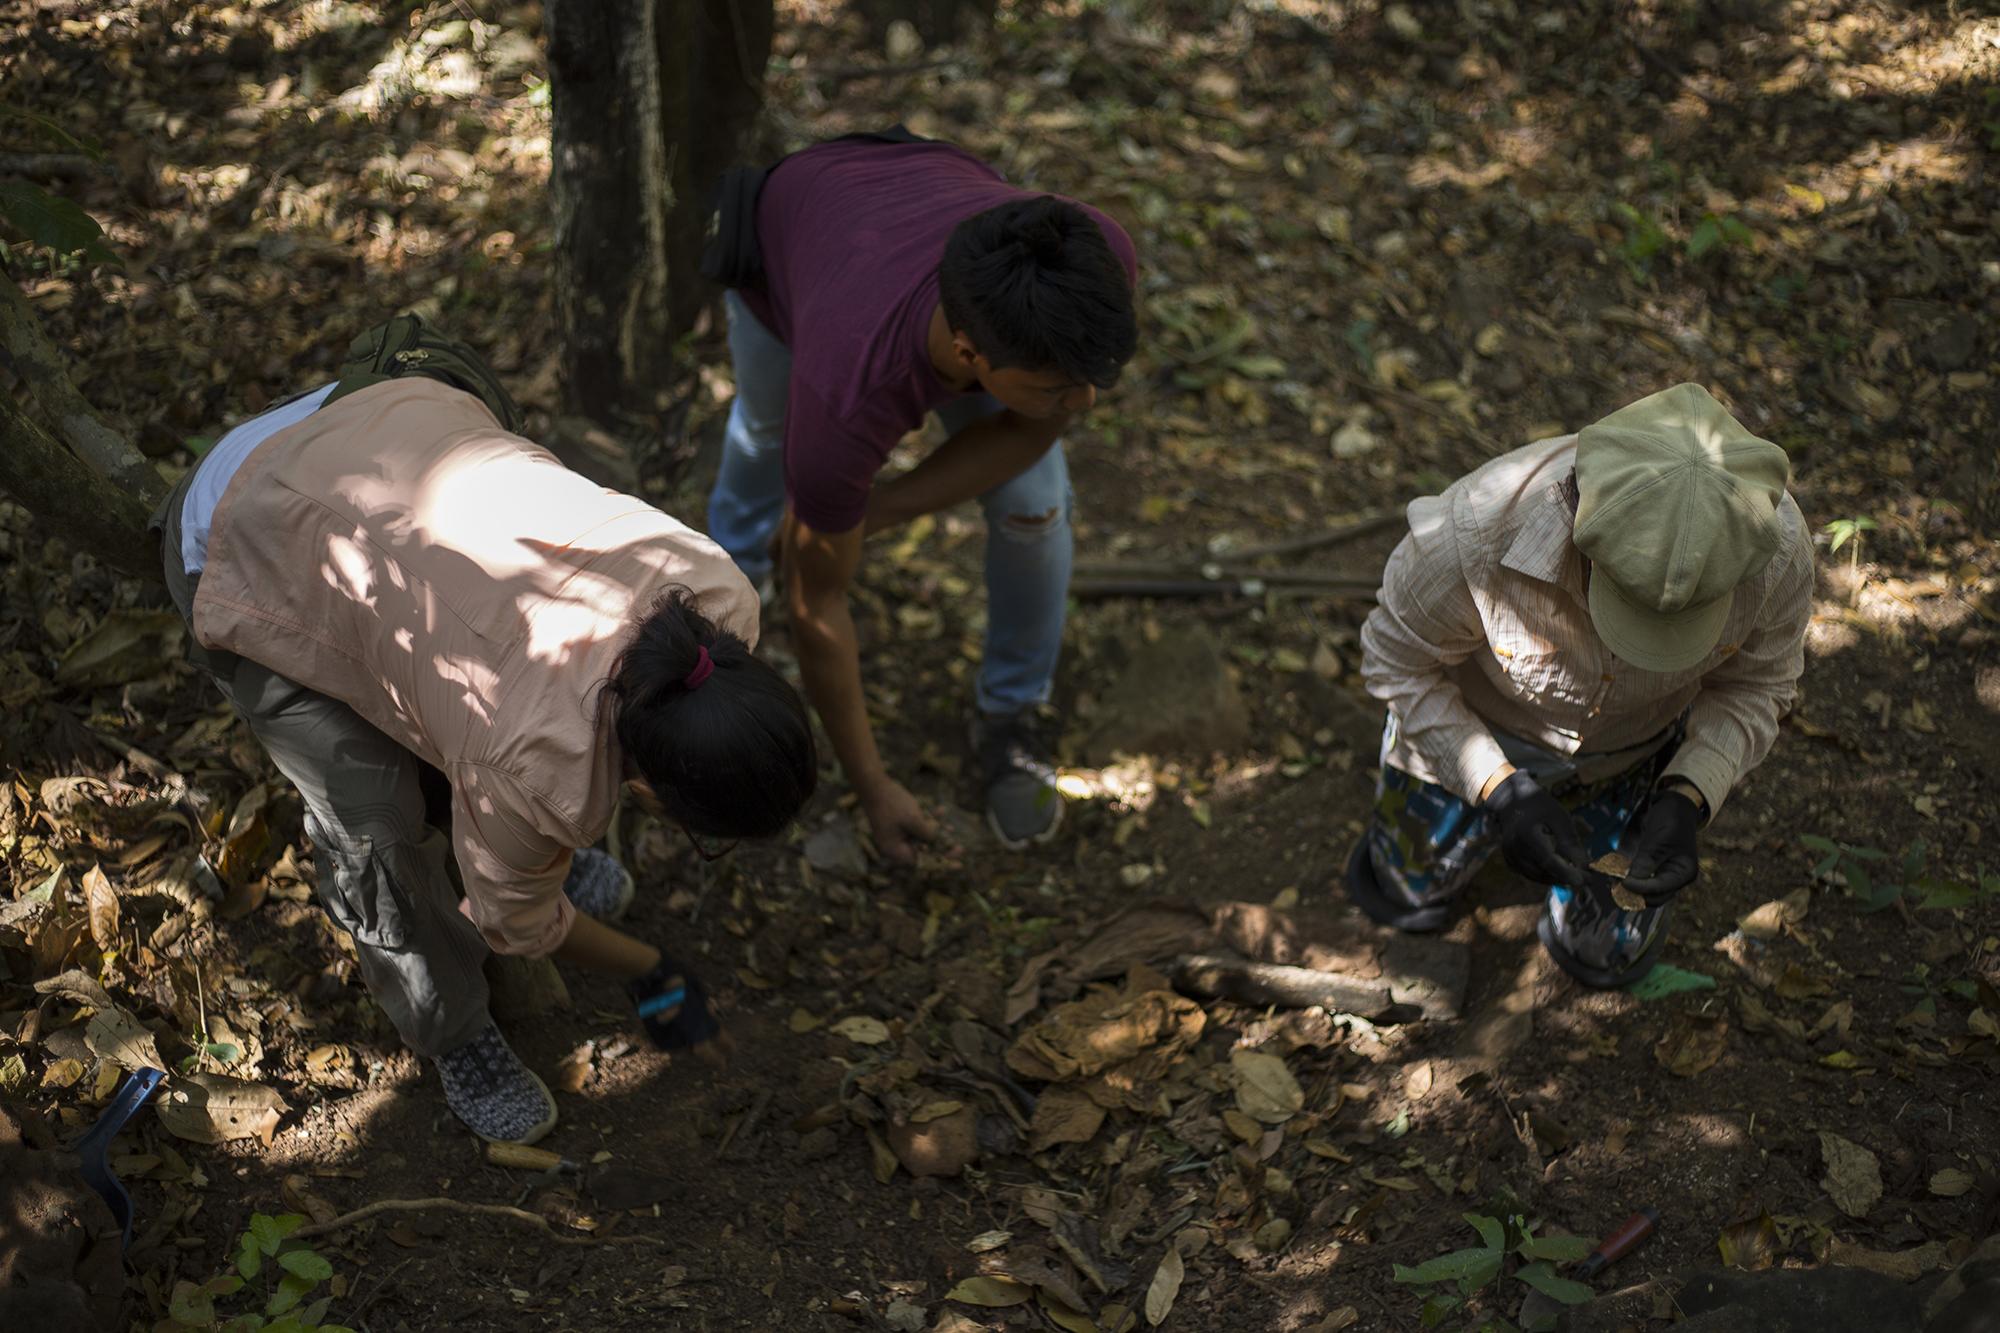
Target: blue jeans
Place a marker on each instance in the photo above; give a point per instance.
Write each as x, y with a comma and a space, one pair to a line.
1029, 543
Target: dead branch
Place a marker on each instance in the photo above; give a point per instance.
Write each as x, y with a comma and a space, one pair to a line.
1255, 586
1372, 521
380, 1206
1273, 983
28, 353
90, 511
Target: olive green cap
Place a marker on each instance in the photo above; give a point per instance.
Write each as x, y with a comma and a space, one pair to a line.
1677, 507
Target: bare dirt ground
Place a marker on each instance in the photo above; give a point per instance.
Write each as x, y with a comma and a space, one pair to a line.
1378, 247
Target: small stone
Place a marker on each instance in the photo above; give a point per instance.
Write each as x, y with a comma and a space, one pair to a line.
834, 849
941, 1147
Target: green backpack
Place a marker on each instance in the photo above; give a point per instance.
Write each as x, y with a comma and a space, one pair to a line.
406, 345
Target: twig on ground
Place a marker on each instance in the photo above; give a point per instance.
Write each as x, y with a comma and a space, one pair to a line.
1372, 521
131, 754
738, 1136
1357, 589
1217, 572
381, 1206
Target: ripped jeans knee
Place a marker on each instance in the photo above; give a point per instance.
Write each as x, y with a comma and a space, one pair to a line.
1030, 526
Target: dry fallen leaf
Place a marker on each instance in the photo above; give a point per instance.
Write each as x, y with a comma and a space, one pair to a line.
991, 1292
1063, 1115
1951, 1182
114, 1035
1108, 1029
1770, 920
863, 1030
62, 1073
573, 1070
1265, 1088
1063, 1317
214, 1108
1751, 1244
101, 901
1853, 1176
1242, 1126
1165, 1287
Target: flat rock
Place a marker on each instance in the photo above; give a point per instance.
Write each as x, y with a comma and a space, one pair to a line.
1176, 698
834, 849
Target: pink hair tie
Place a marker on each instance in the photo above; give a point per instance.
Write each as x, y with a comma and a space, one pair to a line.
704, 667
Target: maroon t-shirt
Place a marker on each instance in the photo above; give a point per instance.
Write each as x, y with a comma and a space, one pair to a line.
851, 235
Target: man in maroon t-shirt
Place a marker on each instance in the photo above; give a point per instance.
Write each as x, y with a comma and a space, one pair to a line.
900, 279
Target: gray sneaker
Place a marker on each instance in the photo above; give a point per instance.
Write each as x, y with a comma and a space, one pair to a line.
1022, 803
499, 1098
598, 885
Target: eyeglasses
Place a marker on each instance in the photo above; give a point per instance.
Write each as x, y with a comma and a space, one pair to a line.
709, 851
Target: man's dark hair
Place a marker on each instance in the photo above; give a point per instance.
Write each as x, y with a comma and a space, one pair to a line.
732, 757
1034, 284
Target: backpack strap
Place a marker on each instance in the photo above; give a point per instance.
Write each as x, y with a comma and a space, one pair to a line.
731, 254
409, 345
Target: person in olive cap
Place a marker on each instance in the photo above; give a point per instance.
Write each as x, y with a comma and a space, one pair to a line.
1583, 646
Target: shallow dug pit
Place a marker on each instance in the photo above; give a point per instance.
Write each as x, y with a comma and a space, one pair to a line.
59, 1268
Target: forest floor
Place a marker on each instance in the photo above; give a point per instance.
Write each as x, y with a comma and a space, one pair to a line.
1376, 250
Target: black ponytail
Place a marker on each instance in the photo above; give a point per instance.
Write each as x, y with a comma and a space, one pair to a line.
732, 757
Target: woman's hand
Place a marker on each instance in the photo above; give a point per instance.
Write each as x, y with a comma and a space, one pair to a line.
896, 820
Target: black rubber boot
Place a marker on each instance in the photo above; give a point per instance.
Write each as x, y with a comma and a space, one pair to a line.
1597, 978
1377, 905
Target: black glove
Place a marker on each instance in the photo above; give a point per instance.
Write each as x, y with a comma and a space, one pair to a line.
673, 1006
1664, 858
1537, 836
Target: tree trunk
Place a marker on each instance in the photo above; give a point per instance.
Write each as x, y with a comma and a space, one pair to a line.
724, 46
69, 499
649, 98
27, 352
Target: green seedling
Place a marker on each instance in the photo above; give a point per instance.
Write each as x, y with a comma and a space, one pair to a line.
295, 1270
1448, 1282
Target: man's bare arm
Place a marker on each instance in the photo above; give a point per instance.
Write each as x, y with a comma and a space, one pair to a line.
818, 569
987, 453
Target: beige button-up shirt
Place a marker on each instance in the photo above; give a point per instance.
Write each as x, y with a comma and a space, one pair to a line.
467, 594
1482, 626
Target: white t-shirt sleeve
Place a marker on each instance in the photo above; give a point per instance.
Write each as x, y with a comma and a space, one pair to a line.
212, 475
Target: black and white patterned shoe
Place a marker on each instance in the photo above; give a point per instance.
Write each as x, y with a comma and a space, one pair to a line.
598, 885
499, 1098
